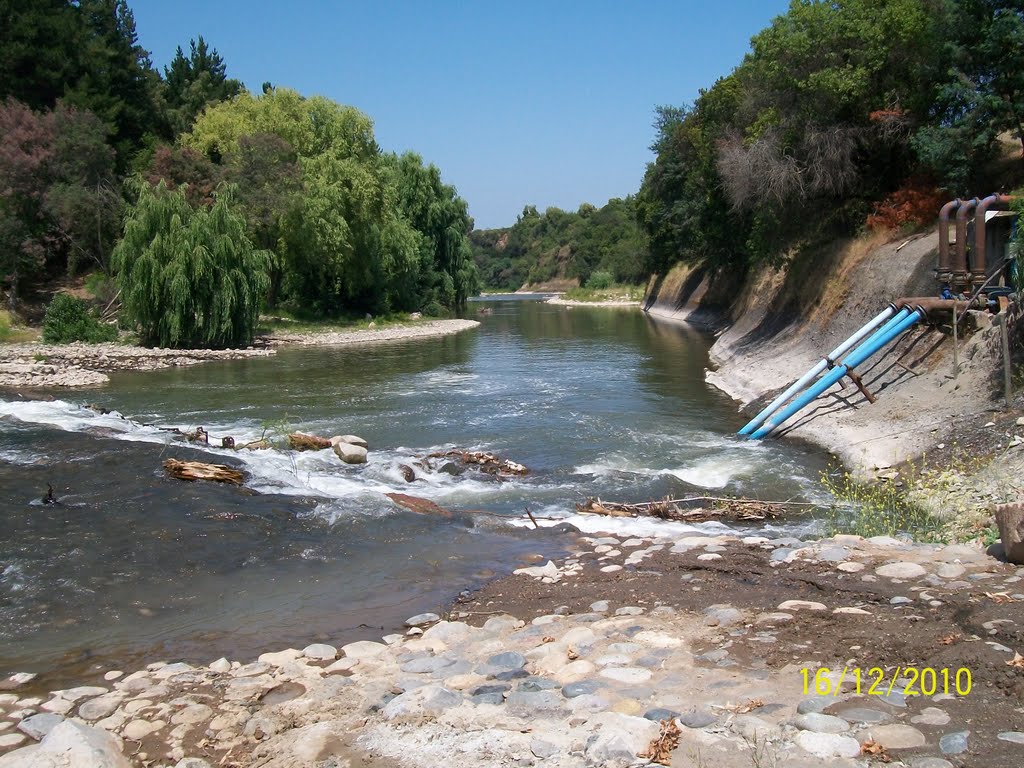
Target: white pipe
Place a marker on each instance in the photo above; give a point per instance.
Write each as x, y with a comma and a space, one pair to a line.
804, 380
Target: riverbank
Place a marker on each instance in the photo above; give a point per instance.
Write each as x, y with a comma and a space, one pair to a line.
561, 301
37, 365
699, 643
779, 323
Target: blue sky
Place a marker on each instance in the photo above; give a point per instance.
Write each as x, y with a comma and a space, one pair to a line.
541, 103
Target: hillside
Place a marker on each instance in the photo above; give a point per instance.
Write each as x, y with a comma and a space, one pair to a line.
560, 249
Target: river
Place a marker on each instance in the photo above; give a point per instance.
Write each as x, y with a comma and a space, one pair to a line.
132, 566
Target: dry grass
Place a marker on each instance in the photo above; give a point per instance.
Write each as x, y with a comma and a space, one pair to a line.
851, 254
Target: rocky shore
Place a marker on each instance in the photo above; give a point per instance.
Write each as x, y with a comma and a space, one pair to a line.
709, 650
34, 365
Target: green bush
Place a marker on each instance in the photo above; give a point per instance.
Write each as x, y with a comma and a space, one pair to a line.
68, 319
5, 326
599, 281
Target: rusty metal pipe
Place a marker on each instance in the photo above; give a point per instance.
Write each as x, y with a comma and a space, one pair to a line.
978, 265
962, 214
931, 304
945, 258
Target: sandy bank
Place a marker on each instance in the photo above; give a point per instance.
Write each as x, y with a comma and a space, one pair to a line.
587, 662
33, 365
423, 330
608, 303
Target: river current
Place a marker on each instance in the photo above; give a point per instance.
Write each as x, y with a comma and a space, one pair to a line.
132, 566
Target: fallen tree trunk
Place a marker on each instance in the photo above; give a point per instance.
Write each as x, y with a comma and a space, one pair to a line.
418, 505
197, 470
302, 442
730, 509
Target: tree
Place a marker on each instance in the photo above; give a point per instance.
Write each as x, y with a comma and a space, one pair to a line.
38, 50
194, 81
982, 93
266, 171
115, 78
84, 199
434, 209
60, 201
185, 167
26, 150
189, 277
344, 244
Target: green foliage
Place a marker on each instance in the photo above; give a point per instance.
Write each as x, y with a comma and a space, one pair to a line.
876, 509
351, 230
837, 105
612, 292
68, 320
189, 277
59, 198
981, 92
562, 245
194, 81
598, 281
1017, 245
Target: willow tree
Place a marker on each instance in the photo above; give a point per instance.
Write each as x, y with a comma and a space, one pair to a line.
190, 277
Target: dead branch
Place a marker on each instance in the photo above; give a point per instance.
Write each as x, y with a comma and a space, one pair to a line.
740, 510
487, 462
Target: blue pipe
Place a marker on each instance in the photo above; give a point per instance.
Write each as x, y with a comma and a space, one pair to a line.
882, 332
832, 357
858, 356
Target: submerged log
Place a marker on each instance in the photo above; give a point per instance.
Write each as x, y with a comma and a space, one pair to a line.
487, 462
302, 442
670, 509
418, 505
197, 470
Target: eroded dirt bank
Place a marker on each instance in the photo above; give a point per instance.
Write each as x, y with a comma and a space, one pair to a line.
777, 324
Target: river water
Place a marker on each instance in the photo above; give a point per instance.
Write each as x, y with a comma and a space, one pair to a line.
131, 566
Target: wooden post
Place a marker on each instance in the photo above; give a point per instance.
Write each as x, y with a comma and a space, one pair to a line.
1007, 372
956, 350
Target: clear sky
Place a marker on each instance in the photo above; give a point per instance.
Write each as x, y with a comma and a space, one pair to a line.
528, 102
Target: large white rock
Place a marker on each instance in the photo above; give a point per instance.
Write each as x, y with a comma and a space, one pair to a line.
350, 439
618, 738
901, 571
364, 649
428, 700
70, 745
349, 453
825, 745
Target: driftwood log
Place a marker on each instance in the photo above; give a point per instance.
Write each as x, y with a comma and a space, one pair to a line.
302, 442
197, 470
418, 505
486, 462
671, 509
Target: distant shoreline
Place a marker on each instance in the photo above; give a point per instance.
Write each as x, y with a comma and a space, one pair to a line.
33, 365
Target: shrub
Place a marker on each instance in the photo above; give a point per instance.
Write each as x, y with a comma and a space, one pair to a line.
68, 319
599, 281
915, 204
